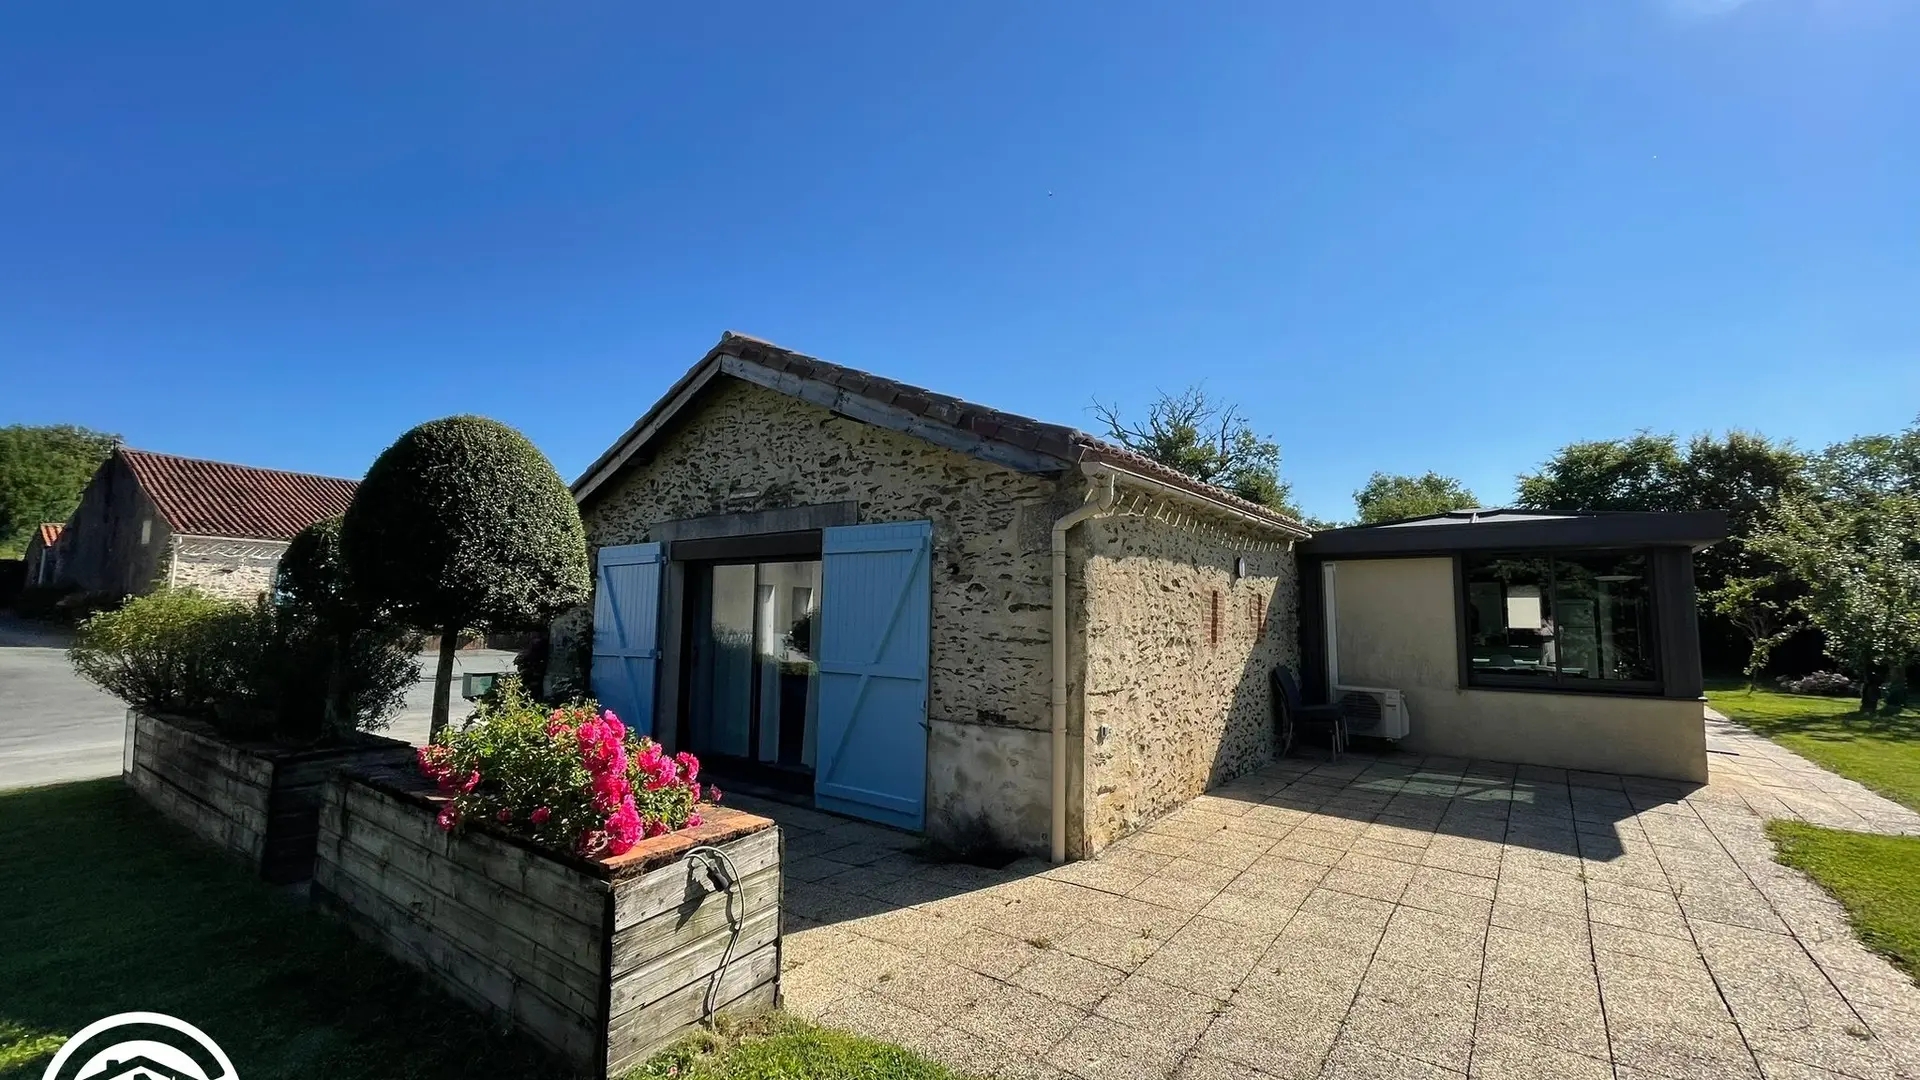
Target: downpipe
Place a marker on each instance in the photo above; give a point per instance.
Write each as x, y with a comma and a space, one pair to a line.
1098, 502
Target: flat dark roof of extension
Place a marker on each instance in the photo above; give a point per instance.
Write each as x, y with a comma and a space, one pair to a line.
1506, 529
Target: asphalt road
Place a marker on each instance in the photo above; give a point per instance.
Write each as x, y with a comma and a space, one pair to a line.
56, 726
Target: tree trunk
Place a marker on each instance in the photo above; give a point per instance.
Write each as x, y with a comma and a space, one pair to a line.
1894, 699
1869, 690
331, 718
443, 681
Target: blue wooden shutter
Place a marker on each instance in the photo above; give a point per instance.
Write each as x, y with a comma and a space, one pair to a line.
626, 632
875, 612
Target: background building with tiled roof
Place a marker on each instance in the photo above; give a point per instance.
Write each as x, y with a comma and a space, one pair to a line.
148, 519
42, 566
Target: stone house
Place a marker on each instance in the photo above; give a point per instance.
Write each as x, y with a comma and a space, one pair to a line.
41, 557
147, 520
925, 612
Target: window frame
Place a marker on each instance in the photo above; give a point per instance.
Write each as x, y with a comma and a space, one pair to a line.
1558, 684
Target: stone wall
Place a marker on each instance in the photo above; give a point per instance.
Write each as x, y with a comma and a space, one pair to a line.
232, 569
116, 542
1170, 704
746, 448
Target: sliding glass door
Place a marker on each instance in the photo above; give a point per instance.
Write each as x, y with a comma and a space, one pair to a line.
752, 684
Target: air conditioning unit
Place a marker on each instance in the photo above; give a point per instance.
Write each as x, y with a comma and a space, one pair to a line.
1373, 711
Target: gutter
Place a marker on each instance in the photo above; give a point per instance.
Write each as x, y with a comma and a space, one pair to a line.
1097, 503
1196, 499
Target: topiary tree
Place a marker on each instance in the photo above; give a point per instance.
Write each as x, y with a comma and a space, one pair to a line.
312, 575
463, 523
322, 621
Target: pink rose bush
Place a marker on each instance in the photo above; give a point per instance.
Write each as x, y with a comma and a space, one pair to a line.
572, 778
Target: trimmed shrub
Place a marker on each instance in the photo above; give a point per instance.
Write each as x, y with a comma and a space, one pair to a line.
339, 664
254, 671
167, 652
1824, 683
463, 523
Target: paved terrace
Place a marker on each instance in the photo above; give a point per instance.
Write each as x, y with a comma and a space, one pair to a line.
1380, 917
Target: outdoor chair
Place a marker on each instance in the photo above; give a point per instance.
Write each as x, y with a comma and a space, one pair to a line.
1291, 715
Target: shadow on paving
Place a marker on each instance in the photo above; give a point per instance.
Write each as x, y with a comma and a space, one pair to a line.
839, 869
1557, 811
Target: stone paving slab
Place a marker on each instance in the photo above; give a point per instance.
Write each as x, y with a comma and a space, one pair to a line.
1383, 917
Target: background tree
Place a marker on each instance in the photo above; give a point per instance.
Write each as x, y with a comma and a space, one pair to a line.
1754, 607
464, 523
1744, 473
1208, 440
1388, 497
1852, 539
1637, 473
43, 470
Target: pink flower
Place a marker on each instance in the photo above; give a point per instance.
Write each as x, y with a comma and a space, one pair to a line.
504, 816
593, 842
656, 827
472, 781
713, 794
693, 821
689, 766
433, 762
608, 790
663, 774
623, 828
449, 817
540, 815
603, 747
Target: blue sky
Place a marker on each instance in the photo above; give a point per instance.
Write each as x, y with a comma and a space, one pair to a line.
1451, 234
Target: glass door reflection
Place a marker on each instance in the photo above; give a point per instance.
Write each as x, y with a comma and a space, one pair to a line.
754, 688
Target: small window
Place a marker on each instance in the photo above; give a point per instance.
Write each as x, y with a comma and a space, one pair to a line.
1563, 621
146, 531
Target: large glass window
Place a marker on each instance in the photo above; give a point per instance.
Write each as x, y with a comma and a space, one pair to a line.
753, 690
1570, 621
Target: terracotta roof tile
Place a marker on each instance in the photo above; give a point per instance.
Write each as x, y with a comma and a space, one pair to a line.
213, 498
1070, 444
50, 533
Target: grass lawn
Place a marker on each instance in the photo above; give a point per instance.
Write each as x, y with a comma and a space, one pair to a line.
1877, 879
1881, 752
785, 1048
104, 908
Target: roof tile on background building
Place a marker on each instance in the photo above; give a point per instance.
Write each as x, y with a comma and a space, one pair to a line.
214, 498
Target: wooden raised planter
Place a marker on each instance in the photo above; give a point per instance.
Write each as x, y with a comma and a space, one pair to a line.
259, 800
603, 960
